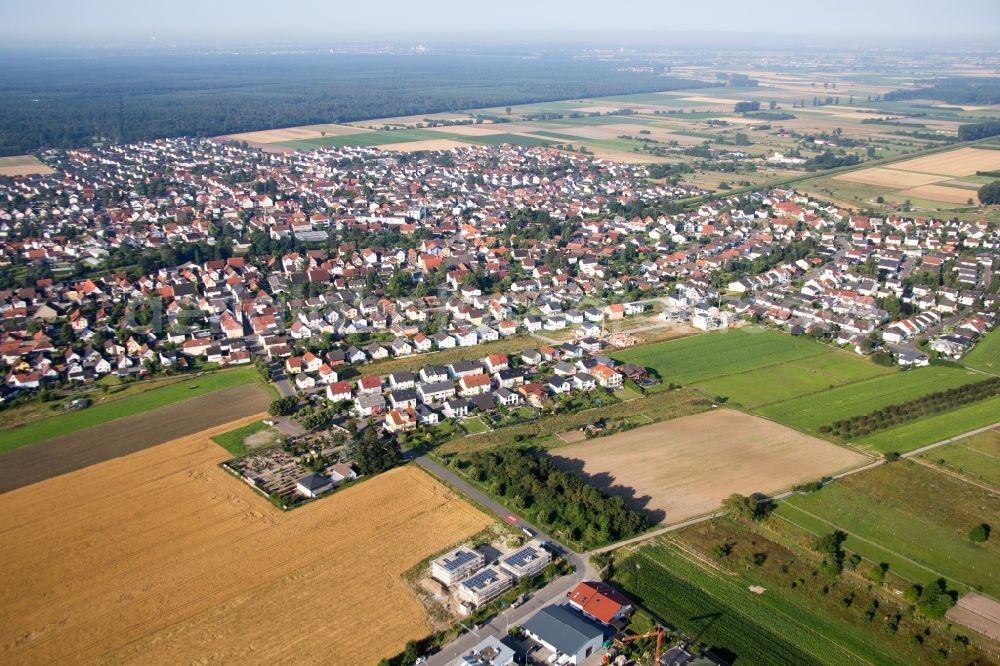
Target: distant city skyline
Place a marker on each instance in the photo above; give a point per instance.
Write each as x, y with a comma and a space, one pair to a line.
46, 23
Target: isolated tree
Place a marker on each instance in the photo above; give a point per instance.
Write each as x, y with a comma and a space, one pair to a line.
936, 599
740, 507
979, 533
830, 547
283, 406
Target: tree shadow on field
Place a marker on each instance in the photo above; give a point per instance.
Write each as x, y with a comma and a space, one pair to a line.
606, 483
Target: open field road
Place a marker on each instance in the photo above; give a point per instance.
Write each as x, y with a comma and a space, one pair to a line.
557, 590
554, 592
54, 457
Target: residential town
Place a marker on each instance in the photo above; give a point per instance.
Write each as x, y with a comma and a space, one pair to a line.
184, 254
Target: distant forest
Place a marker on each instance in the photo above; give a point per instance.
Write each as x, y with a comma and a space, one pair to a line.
961, 90
77, 99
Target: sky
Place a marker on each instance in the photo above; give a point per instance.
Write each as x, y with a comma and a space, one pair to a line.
46, 23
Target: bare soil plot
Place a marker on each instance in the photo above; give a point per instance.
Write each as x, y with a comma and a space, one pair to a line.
163, 557
685, 467
572, 436
979, 613
471, 130
961, 162
625, 156
892, 178
297, 133
409, 121
942, 193
702, 99
426, 144
120, 437
600, 132
22, 165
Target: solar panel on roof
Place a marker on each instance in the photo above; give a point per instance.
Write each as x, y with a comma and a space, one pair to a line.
460, 559
481, 579
522, 557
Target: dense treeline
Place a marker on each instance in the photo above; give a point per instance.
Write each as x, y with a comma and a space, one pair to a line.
558, 500
829, 160
961, 90
912, 410
989, 194
77, 100
973, 131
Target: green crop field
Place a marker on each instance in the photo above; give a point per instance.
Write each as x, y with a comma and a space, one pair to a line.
932, 429
766, 385
977, 457
719, 610
910, 516
785, 381
64, 424
812, 411
703, 357
985, 356
514, 139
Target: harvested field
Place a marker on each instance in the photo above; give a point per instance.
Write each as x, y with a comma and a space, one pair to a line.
61, 455
961, 162
624, 156
22, 165
979, 613
883, 177
710, 100
942, 193
296, 133
470, 130
679, 469
429, 144
162, 557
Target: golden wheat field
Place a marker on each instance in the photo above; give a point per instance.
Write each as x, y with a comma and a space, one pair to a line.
162, 557
22, 165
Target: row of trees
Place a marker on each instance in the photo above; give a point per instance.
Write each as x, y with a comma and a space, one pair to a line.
558, 500
905, 412
974, 131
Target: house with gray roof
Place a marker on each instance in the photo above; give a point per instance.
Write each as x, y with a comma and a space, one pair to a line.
561, 630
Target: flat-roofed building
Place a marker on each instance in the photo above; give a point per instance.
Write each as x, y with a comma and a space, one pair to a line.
457, 565
485, 586
527, 561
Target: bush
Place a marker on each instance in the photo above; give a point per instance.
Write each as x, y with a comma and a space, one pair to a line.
979, 533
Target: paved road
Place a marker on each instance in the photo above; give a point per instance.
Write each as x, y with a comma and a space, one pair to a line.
554, 592
583, 570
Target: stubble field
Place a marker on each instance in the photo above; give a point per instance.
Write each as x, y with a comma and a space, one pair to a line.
685, 467
22, 165
161, 556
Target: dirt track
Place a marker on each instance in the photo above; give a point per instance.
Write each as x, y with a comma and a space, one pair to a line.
31, 464
162, 557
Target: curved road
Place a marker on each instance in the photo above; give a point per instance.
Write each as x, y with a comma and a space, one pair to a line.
557, 590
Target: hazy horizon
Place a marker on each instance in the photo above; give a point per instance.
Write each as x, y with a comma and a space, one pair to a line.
850, 23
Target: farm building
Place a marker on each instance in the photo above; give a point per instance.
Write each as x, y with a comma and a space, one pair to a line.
313, 485
457, 565
565, 632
